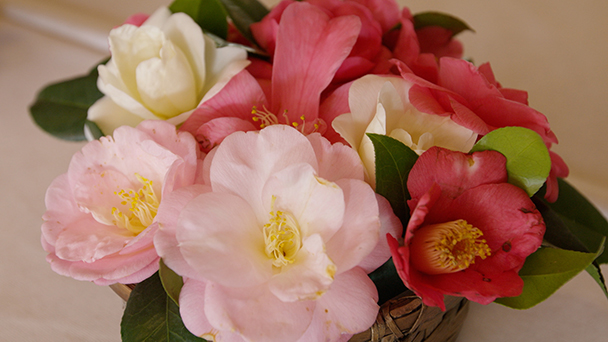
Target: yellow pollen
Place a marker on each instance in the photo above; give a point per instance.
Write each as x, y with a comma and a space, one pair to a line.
266, 118
447, 247
281, 237
142, 207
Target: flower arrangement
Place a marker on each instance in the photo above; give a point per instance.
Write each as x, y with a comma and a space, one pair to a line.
277, 175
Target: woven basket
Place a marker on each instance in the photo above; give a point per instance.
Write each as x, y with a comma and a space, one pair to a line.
403, 318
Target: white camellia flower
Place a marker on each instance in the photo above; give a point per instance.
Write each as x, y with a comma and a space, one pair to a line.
161, 70
380, 105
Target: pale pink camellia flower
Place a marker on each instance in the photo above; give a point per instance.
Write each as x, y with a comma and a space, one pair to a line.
100, 219
381, 105
470, 231
310, 48
277, 245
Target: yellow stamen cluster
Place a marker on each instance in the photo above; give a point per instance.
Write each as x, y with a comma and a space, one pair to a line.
447, 247
267, 118
281, 237
142, 207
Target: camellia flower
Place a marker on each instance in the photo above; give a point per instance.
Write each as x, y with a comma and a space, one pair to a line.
100, 219
469, 232
277, 244
382, 105
160, 70
473, 99
310, 47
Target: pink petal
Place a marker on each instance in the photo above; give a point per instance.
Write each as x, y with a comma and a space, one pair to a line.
213, 132
334, 314
385, 12
360, 231
236, 99
220, 237
310, 49
165, 241
317, 205
244, 161
389, 224
330, 156
334, 105
256, 314
462, 77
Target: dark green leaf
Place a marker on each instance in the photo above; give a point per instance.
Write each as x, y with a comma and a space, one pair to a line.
95, 131
596, 273
528, 160
387, 281
172, 282
61, 108
208, 14
244, 13
544, 272
152, 317
394, 161
442, 20
557, 233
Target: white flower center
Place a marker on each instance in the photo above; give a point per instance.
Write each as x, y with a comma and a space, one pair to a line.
281, 237
142, 207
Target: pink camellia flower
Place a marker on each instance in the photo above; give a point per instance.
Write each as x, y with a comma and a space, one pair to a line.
469, 232
100, 219
277, 244
310, 47
473, 99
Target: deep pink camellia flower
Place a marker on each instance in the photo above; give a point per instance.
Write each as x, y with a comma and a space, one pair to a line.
473, 98
310, 47
101, 215
469, 232
385, 34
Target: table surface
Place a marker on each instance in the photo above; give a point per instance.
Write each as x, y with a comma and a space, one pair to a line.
555, 52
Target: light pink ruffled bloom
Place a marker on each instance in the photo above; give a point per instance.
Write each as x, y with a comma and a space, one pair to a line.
100, 219
277, 244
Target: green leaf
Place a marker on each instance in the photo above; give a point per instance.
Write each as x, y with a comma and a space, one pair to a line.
394, 161
387, 281
61, 108
172, 282
596, 273
151, 316
208, 14
581, 217
446, 21
528, 160
244, 13
545, 271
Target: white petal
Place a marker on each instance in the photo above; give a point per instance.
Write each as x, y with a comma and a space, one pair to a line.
108, 115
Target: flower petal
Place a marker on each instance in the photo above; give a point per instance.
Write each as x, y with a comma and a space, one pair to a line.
256, 314
310, 48
221, 239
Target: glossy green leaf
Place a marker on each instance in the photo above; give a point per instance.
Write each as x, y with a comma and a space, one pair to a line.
172, 282
394, 161
61, 108
152, 317
244, 13
528, 160
208, 14
544, 272
446, 21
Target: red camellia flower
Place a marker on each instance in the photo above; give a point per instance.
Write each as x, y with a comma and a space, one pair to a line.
470, 231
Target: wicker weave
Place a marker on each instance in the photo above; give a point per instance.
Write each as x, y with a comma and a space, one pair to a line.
403, 318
